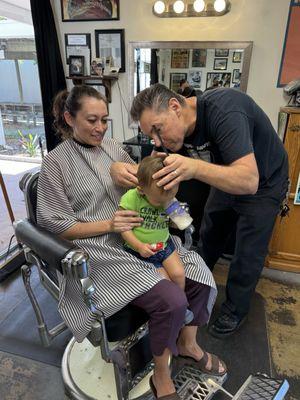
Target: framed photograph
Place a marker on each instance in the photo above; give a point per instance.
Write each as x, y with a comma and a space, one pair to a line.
236, 76
110, 45
76, 65
78, 44
97, 67
237, 56
175, 78
297, 193
221, 52
180, 58
199, 58
92, 10
220, 64
217, 79
194, 78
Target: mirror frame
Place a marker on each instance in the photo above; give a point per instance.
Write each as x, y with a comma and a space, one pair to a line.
235, 45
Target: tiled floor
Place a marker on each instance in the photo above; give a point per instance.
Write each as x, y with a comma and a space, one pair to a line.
24, 379
12, 171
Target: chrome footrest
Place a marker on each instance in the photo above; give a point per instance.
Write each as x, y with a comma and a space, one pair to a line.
191, 384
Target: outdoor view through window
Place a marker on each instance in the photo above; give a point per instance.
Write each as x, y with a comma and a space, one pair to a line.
22, 136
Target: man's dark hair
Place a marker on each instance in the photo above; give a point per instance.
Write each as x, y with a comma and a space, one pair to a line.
182, 81
155, 97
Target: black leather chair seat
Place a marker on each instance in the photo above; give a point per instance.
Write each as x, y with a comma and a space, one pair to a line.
125, 322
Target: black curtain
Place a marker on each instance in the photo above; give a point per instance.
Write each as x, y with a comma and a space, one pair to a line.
51, 72
153, 70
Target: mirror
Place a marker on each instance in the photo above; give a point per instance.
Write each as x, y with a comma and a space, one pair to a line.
204, 65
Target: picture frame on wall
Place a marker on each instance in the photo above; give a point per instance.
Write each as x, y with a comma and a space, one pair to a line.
220, 64
75, 42
237, 56
221, 52
236, 76
110, 45
199, 58
194, 78
180, 58
175, 78
224, 79
76, 65
93, 10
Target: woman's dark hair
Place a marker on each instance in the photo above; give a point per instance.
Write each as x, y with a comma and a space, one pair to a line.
71, 102
156, 97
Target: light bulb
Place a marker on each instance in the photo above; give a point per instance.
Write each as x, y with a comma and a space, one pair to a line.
178, 6
199, 5
159, 7
219, 5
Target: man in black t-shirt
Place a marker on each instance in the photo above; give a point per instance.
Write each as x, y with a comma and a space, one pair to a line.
223, 139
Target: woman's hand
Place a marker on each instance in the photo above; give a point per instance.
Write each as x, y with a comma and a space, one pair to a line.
145, 250
125, 220
124, 174
177, 168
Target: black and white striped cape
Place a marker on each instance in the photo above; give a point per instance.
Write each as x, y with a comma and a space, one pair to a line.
75, 185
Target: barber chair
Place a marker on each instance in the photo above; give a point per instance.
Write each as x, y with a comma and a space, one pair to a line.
115, 360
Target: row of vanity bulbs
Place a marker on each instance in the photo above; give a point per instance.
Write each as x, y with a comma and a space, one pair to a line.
198, 5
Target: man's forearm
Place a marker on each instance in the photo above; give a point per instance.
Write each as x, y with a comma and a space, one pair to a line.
234, 179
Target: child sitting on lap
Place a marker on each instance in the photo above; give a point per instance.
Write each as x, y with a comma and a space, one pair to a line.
151, 241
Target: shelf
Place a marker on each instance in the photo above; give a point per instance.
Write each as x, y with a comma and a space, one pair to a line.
105, 80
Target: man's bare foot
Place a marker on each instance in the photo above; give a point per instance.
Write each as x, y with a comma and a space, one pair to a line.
163, 384
196, 353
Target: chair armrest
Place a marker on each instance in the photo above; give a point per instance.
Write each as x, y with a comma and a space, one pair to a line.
51, 248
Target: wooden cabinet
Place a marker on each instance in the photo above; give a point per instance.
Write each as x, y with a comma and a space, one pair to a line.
284, 248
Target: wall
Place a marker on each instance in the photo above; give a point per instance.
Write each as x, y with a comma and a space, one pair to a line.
261, 21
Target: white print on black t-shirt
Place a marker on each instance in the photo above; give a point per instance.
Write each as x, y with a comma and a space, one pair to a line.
199, 152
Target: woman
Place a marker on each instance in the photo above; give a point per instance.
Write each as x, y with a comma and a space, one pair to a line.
77, 199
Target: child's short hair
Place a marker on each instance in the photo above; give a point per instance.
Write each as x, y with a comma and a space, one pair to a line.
148, 166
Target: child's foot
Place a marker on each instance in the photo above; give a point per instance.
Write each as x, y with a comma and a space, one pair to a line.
189, 316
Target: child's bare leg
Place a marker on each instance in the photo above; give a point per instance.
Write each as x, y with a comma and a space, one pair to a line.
175, 269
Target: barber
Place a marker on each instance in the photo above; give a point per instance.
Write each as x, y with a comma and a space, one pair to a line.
224, 139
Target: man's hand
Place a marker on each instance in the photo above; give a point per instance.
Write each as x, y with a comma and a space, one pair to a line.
124, 174
177, 168
145, 250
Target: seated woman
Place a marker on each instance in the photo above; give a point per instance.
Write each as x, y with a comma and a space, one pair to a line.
78, 200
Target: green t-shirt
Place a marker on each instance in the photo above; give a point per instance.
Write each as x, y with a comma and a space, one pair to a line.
155, 227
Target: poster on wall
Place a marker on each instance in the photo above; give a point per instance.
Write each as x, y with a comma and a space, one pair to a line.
213, 78
199, 58
175, 78
194, 78
92, 10
290, 66
180, 58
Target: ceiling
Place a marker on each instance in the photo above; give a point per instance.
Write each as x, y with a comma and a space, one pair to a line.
18, 10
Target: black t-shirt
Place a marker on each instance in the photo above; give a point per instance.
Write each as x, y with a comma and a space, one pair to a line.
231, 125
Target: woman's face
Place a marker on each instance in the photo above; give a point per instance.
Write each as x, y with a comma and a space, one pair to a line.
90, 123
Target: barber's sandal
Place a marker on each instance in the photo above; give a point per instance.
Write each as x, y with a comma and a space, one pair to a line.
172, 396
226, 325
